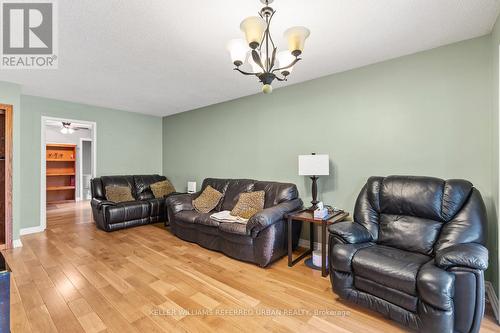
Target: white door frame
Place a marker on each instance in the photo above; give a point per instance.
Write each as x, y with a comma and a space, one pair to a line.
80, 162
43, 193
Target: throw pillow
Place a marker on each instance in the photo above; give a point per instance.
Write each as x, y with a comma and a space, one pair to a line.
161, 189
207, 200
118, 193
249, 204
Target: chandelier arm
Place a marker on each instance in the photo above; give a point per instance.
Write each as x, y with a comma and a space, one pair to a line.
257, 60
245, 73
286, 67
270, 61
273, 59
268, 27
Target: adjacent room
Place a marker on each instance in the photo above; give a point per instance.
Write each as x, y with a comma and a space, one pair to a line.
250, 166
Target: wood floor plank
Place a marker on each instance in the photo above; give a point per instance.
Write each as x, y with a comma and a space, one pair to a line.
76, 278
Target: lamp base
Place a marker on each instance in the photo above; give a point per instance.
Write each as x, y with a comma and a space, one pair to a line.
313, 207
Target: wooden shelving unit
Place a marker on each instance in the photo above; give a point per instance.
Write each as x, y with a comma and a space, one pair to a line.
60, 172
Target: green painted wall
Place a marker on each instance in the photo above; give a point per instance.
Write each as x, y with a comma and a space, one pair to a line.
127, 143
424, 114
10, 93
494, 231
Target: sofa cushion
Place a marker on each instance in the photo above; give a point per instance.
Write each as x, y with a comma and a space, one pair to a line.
162, 188
143, 182
207, 200
413, 196
233, 190
234, 228
187, 216
118, 181
409, 233
118, 193
408, 302
127, 211
249, 204
389, 266
204, 218
276, 192
218, 184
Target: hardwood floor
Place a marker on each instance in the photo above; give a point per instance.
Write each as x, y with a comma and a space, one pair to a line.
75, 278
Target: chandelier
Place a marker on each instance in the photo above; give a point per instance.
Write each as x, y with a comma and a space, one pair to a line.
267, 64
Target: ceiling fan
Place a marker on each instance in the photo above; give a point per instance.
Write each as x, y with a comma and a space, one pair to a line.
67, 128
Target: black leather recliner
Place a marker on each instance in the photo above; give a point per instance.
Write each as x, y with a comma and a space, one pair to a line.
414, 253
145, 209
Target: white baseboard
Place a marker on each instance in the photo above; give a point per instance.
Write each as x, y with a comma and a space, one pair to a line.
493, 299
31, 230
17, 243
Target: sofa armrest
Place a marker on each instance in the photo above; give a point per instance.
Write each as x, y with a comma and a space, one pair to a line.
271, 215
350, 232
177, 203
471, 255
99, 203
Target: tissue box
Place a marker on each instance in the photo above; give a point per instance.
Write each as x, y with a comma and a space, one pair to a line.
320, 213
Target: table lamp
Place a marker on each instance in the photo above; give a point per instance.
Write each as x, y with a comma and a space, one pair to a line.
314, 165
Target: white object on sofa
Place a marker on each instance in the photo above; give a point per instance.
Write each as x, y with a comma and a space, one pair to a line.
225, 216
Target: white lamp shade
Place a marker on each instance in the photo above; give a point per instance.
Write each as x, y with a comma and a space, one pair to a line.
254, 28
314, 165
296, 38
238, 49
285, 58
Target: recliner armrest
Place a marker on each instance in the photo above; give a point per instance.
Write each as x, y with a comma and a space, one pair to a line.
350, 232
470, 255
99, 203
177, 203
268, 216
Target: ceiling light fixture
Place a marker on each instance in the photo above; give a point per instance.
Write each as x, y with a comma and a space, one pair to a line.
66, 129
265, 62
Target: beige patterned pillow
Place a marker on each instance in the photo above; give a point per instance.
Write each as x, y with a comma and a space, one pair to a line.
249, 204
207, 200
118, 193
161, 189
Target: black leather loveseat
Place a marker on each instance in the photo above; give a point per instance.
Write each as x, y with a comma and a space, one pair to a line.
414, 253
261, 241
145, 209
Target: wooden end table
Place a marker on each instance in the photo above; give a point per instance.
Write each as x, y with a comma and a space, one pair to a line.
308, 216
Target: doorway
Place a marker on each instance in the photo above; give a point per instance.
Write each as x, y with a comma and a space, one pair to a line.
6, 136
68, 162
86, 174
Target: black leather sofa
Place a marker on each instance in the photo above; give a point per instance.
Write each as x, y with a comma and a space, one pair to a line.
414, 253
261, 241
145, 209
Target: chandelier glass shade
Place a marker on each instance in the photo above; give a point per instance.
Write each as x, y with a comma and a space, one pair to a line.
259, 50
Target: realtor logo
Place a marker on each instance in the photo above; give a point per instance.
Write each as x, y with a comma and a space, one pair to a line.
29, 38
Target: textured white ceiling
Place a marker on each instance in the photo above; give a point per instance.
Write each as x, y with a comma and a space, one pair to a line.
162, 57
